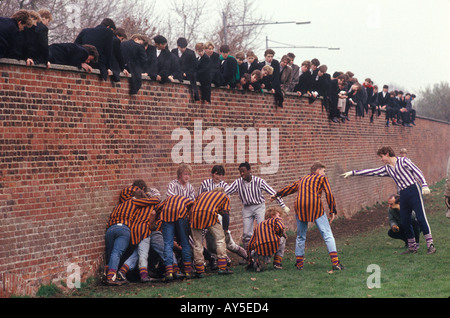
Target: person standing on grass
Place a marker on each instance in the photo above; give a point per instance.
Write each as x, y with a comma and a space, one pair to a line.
404, 173
308, 208
250, 189
204, 215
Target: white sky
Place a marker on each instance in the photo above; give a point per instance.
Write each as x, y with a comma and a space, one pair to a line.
402, 42
406, 42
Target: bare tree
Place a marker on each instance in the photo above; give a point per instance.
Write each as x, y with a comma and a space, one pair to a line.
433, 101
239, 26
189, 19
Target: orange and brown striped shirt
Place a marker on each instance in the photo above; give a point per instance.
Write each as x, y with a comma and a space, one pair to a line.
266, 237
174, 207
205, 211
140, 227
125, 212
308, 205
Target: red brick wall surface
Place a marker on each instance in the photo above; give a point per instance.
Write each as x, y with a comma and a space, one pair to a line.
70, 142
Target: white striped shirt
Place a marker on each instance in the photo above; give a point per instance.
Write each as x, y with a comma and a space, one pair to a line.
209, 185
405, 173
250, 193
175, 188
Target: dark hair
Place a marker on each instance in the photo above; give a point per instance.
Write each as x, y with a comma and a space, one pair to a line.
159, 39
315, 62
386, 150
121, 32
182, 42
385, 86
224, 48
140, 184
220, 170
396, 197
92, 50
317, 165
245, 165
22, 16
107, 22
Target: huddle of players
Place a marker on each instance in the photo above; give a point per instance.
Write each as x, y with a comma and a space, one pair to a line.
186, 220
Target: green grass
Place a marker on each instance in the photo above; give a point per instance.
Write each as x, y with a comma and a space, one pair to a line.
402, 276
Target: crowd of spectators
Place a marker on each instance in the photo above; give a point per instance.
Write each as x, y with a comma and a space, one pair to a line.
24, 36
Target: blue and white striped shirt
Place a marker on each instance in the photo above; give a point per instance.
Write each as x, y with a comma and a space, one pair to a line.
250, 193
405, 173
175, 188
209, 185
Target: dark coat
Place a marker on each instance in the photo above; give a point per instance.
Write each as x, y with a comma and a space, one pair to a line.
229, 70
168, 66
250, 68
203, 70
9, 32
37, 39
151, 66
188, 63
383, 101
67, 54
305, 82
102, 38
116, 64
135, 57
216, 74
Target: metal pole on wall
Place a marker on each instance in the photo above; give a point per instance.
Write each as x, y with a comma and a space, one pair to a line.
224, 18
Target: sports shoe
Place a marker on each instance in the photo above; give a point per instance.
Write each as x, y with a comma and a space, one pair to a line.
431, 249
277, 266
337, 267
168, 278
299, 267
199, 275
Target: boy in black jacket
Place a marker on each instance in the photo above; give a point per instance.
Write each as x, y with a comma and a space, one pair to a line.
203, 72
188, 64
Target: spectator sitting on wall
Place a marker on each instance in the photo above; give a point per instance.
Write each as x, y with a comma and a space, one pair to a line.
229, 67
73, 54
9, 30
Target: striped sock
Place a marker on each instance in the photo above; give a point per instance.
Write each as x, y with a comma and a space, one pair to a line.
169, 270
334, 258
277, 260
412, 244
143, 272
124, 269
175, 268
428, 239
222, 263
187, 267
111, 274
200, 269
299, 261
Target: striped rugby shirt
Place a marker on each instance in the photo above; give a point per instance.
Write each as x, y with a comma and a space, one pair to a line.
174, 207
205, 211
405, 173
175, 188
251, 192
266, 237
126, 212
308, 205
140, 227
209, 185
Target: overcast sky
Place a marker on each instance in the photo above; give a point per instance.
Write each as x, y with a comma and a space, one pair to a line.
401, 42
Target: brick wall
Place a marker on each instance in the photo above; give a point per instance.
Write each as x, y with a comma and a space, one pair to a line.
70, 142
